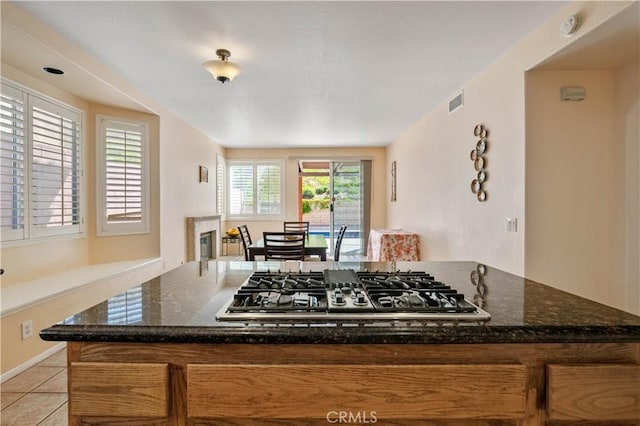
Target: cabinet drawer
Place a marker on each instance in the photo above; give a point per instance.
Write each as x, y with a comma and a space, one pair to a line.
593, 392
118, 389
391, 392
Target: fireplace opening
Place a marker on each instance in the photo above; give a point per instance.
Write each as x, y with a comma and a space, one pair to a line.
202, 234
206, 246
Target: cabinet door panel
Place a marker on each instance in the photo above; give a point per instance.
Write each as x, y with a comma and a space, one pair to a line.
118, 389
593, 392
386, 392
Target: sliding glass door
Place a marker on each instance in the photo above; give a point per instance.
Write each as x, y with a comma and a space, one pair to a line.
333, 194
347, 204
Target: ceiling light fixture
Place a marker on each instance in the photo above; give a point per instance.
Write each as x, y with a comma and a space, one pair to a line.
221, 69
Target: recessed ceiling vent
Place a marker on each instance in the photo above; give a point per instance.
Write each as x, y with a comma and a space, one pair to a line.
456, 102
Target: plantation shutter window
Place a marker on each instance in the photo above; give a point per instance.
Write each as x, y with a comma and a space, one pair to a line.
255, 189
55, 169
240, 189
122, 179
41, 166
269, 188
124, 175
12, 164
221, 169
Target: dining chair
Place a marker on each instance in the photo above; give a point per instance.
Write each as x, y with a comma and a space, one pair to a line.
245, 237
336, 251
297, 227
284, 245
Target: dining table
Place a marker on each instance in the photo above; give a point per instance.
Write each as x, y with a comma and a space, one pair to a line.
387, 245
314, 245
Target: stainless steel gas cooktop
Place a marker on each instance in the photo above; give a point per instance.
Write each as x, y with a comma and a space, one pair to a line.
346, 296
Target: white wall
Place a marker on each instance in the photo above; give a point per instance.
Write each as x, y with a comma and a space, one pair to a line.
582, 178
628, 132
571, 186
182, 150
434, 169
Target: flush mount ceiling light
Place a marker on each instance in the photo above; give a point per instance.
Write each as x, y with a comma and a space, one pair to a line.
221, 69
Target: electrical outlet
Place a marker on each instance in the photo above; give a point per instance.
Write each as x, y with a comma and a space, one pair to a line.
27, 329
512, 224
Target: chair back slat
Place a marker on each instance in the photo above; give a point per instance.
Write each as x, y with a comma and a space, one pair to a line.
284, 245
245, 236
297, 227
336, 252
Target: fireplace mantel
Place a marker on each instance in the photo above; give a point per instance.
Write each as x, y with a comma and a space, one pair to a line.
198, 225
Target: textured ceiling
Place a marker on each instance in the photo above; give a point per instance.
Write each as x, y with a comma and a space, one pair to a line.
313, 74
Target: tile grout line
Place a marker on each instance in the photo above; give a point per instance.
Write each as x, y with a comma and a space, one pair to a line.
11, 403
52, 412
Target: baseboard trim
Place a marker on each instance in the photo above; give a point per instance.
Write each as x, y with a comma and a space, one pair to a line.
33, 361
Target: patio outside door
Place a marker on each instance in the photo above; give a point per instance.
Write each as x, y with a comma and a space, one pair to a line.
346, 183
336, 193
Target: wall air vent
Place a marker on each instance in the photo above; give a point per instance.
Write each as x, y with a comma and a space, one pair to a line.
456, 102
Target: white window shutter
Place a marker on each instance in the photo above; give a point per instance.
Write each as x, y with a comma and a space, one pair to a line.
12, 164
255, 189
240, 189
269, 185
221, 171
122, 177
55, 169
41, 170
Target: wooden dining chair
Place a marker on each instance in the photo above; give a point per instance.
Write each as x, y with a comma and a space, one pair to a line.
245, 237
297, 227
284, 245
336, 251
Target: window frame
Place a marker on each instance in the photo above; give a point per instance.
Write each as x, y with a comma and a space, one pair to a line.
103, 226
255, 215
32, 233
221, 186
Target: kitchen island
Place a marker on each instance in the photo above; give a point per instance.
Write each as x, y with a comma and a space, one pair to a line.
157, 355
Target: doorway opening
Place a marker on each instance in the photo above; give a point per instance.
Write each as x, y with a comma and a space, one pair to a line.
335, 193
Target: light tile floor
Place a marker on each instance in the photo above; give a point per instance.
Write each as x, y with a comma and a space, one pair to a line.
37, 396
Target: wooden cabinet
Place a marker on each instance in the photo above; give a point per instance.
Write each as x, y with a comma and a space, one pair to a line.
118, 389
593, 392
389, 391
426, 385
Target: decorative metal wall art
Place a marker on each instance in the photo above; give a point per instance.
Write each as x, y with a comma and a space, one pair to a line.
479, 162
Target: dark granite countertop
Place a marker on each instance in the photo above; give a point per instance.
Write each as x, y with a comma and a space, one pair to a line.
180, 306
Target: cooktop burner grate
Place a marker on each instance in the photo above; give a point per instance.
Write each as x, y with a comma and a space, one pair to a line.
348, 296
